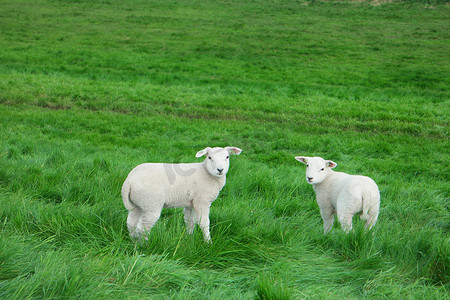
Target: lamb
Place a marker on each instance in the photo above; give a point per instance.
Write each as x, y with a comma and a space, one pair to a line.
342, 194
151, 186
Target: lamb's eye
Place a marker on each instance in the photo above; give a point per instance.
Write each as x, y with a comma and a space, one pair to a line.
228, 157
307, 166
209, 157
323, 169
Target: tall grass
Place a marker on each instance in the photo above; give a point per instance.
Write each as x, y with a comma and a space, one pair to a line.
90, 89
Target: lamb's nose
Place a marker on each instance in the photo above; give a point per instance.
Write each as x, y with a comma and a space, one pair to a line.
310, 178
220, 170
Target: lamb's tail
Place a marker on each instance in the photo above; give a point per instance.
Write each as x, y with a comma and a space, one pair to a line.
126, 189
370, 207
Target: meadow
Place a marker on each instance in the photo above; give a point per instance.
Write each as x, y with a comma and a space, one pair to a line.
91, 88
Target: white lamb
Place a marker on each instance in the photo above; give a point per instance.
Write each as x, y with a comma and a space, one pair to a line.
341, 194
151, 186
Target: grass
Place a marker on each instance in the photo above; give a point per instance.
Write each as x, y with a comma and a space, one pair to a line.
90, 89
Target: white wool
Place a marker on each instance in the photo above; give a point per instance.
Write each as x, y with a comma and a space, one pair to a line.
341, 194
151, 186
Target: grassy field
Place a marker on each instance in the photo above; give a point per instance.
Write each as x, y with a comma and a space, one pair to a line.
89, 89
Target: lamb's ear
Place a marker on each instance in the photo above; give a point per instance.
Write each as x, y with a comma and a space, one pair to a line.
233, 150
302, 159
202, 152
331, 164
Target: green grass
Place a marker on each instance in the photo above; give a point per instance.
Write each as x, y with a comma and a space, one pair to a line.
90, 89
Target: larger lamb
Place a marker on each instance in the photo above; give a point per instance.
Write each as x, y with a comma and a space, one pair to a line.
151, 186
342, 194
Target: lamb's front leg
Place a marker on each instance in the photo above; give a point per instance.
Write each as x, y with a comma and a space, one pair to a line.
202, 214
189, 219
327, 214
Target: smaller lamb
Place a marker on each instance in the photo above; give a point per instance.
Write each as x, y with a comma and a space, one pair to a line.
342, 194
151, 186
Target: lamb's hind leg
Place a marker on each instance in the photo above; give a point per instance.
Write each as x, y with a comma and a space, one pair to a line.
348, 204
345, 215
370, 218
345, 219
146, 222
132, 221
369, 221
370, 211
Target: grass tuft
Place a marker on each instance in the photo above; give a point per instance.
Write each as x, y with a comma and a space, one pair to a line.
267, 288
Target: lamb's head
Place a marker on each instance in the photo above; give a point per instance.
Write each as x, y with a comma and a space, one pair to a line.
217, 159
317, 168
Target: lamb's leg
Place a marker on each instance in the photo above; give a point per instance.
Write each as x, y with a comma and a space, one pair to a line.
369, 219
132, 220
189, 219
202, 214
146, 222
345, 219
346, 207
370, 213
327, 214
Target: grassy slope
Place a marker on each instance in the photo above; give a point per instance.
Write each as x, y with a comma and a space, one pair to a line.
89, 89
